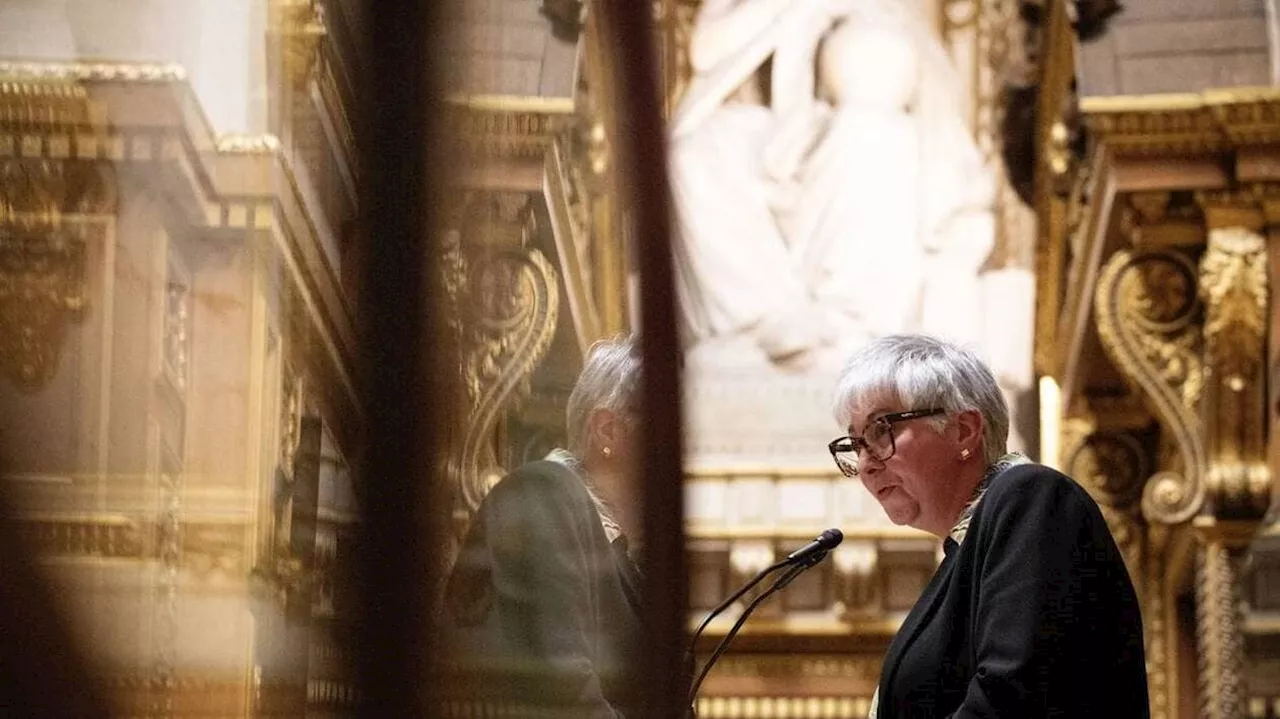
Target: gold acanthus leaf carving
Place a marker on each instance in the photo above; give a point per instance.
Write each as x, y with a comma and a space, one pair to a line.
1234, 288
505, 302
1147, 312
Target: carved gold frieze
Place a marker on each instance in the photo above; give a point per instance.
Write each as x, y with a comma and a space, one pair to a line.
1185, 123
97, 71
1147, 312
506, 127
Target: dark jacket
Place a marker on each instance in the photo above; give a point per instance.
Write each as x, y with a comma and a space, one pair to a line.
1032, 615
542, 611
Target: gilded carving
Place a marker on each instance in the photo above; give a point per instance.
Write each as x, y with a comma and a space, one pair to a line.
504, 128
245, 144
1234, 288
1218, 637
43, 253
169, 543
1113, 467
1157, 627
88, 536
506, 303
1056, 265
94, 71
1184, 123
1147, 311
300, 27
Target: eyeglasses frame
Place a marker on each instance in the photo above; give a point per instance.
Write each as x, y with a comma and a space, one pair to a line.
860, 442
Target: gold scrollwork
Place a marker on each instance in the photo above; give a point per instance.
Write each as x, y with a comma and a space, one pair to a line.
1113, 468
507, 303
1146, 310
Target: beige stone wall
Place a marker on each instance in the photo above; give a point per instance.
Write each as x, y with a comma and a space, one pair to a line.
1160, 46
506, 47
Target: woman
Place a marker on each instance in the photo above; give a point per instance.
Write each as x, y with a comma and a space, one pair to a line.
543, 603
1031, 612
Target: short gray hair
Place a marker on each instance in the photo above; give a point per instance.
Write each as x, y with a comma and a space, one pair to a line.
924, 372
610, 379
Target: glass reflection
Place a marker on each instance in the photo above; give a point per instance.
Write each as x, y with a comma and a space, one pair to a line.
542, 608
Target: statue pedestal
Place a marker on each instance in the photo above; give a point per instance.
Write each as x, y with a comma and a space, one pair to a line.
743, 412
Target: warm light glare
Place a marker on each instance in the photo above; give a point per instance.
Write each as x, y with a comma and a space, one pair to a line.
1050, 422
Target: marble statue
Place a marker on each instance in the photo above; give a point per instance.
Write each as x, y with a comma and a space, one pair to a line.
827, 187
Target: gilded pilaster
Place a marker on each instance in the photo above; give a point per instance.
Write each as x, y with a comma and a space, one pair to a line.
1234, 288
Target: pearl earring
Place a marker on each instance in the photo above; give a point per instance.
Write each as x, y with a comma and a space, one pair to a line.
964, 454
607, 452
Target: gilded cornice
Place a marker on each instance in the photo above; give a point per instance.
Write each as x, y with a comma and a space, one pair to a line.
507, 127
1195, 123
239, 144
92, 71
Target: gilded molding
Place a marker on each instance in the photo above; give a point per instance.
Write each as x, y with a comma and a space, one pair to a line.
1185, 123
1160, 627
507, 127
1219, 644
100, 72
1146, 309
245, 144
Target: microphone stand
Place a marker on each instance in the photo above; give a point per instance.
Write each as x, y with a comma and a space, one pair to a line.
782, 581
689, 655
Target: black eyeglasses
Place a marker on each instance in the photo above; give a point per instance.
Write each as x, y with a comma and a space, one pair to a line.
877, 440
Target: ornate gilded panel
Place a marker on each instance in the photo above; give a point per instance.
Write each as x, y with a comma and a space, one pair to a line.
43, 236
1147, 311
504, 296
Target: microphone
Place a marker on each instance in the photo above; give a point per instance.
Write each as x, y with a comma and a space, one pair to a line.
821, 544
798, 561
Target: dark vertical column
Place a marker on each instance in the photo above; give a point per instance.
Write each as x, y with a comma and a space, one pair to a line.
397, 140
641, 145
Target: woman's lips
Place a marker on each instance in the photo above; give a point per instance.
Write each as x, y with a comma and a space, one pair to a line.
884, 492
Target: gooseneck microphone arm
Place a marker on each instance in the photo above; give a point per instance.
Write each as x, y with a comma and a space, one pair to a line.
798, 561
795, 571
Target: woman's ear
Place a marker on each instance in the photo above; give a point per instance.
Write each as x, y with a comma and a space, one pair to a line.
604, 429
969, 432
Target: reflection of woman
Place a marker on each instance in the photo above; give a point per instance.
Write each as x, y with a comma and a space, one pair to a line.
1032, 612
543, 604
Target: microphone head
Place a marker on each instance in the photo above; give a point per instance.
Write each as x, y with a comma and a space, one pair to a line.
830, 538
